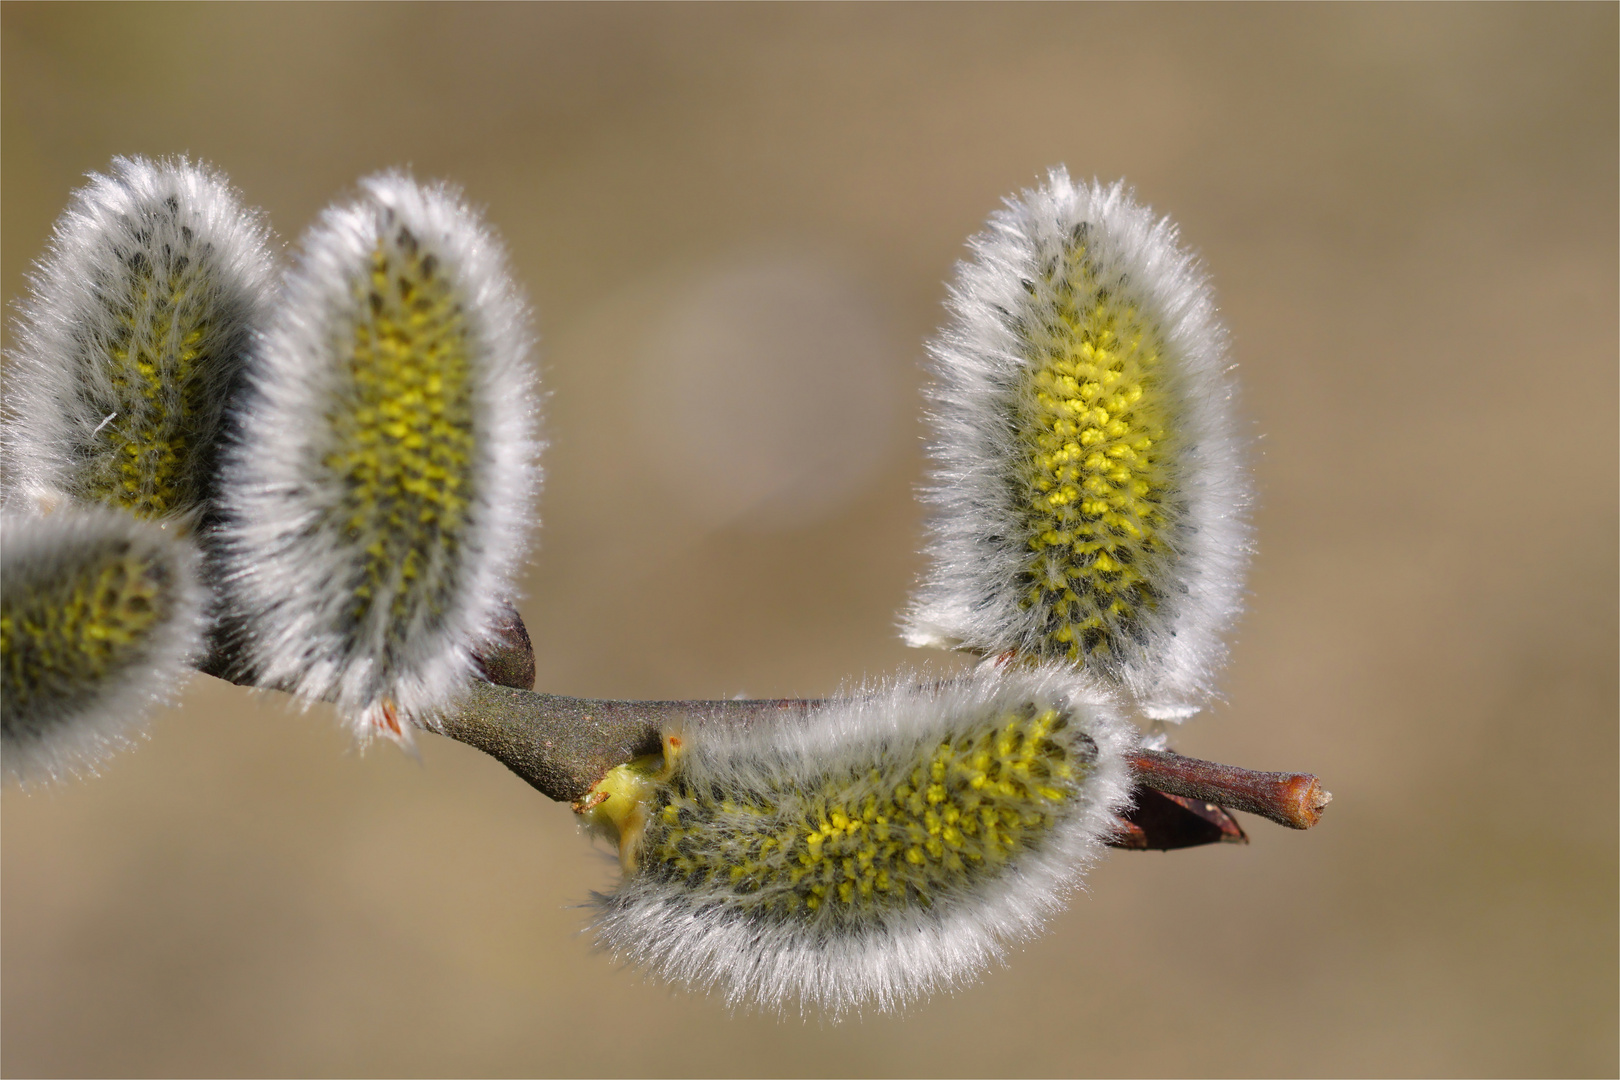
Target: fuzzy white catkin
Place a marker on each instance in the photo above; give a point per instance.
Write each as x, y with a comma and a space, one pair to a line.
141, 315
878, 849
101, 615
378, 492
1089, 490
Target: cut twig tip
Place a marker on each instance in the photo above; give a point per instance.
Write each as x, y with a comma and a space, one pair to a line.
1292, 799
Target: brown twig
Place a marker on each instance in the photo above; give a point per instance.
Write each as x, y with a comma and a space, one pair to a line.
1292, 799
562, 746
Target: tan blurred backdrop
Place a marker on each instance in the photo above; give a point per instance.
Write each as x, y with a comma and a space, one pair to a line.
735, 223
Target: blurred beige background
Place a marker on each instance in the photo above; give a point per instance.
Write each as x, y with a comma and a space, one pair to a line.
735, 223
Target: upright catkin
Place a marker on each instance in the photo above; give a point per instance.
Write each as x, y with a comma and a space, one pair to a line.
380, 487
139, 322
1089, 491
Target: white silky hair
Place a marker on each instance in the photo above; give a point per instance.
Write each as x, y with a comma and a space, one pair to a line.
970, 596
290, 565
51, 737
59, 378
692, 936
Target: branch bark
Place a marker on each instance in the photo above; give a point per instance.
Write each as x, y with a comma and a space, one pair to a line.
1292, 799
563, 745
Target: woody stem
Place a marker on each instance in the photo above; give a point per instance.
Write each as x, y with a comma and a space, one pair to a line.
564, 745
1292, 799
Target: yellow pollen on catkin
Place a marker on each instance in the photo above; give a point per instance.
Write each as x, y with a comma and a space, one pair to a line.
853, 844
147, 456
1095, 475
403, 425
65, 633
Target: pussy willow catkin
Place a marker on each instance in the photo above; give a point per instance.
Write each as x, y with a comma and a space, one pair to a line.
872, 851
142, 313
100, 615
1089, 492
379, 492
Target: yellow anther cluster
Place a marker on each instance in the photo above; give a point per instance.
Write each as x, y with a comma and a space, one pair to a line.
1095, 421
63, 634
854, 844
148, 457
404, 428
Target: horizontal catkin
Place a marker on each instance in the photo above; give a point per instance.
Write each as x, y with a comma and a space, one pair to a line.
882, 847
